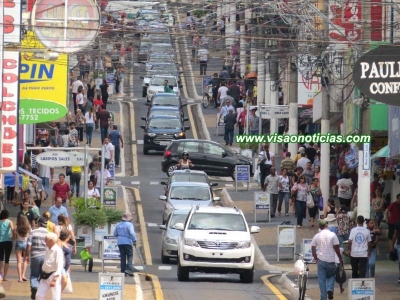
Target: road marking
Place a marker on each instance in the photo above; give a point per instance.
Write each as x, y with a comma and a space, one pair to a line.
143, 229
165, 268
152, 224
139, 142
135, 182
273, 288
139, 268
120, 99
192, 123
117, 182
131, 84
228, 185
158, 294
154, 183
133, 138
134, 99
122, 153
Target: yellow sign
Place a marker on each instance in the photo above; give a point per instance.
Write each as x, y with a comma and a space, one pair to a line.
43, 84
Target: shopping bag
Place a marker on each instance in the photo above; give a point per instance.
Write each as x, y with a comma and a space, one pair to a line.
340, 275
68, 288
299, 267
257, 175
320, 203
310, 201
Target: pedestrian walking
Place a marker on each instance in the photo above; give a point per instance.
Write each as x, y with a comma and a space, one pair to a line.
374, 232
378, 206
21, 234
46, 173
80, 122
61, 190
79, 99
91, 89
230, 121
53, 264
109, 151
328, 246
126, 238
104, 93
394, 246
284, 191
345, 189
288, 164
315, 192
90, 119
299, 192
241, 118
73, 136
271, 186
225, 110
58, 209
75, 85
35, 253
6, 244
75, 180
203, 60
37, 192
344, 224
228, 62
105, 119
118, 142
117, 79
27, 212
359, 248
266, 161
392, 214
308, 173
253, 122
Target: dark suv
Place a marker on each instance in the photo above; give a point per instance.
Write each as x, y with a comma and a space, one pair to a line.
210, 157
160, 130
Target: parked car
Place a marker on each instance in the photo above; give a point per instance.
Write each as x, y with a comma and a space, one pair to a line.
208, 156
169, 238
156, 85
216, 240
160, 130
184, 195
187, 176
166, 111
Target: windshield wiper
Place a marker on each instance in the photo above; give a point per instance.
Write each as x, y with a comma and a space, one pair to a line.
174, 198
216, 228
194, 199
155, 127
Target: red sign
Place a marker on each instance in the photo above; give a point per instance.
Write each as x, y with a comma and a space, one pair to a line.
346, 19
376, 20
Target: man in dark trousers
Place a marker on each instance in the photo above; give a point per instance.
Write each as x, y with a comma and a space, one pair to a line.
126, 236
230, 121
118, 143
104, 118
234, 91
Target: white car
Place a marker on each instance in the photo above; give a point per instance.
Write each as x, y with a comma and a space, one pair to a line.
156, 85
216, 240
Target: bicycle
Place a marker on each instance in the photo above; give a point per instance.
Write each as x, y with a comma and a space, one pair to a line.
208, 97
302, 277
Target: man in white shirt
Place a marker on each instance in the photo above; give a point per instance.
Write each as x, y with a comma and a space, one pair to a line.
109, 151
328, 247
271, 185
106, 178
222, 91
203, 59
303, 161
52, 268
359, 249
225, 110
75, 85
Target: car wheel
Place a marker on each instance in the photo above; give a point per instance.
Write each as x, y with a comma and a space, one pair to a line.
247, 276
233, 173
171, 168
164, 259
144, 91
182, 273
145, 150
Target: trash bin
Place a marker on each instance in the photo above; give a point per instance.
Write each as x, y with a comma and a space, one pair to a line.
80, 245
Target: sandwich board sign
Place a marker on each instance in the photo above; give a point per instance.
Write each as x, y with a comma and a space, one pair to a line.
111, 286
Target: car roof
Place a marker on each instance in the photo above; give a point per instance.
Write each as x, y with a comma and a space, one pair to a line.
165, 117
174, 108
202, 184
195, 140
188, 172
164, 76
159, 95
218, 210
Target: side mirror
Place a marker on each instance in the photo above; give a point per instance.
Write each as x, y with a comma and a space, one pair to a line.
184, 105
254, 229
213, 184
143, 126
179, 226
146, 84
163, 198
185, 119
162, 227
217, 199
141, 77
143, 118
163, 183
224, 154
187, 127
147, 104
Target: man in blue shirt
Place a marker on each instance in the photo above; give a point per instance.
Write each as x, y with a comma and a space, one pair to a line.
58, 209
118, 143
126, 238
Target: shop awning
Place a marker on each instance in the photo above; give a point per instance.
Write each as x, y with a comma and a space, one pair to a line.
384, 152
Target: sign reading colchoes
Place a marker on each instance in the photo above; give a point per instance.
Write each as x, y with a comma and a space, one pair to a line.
377, 74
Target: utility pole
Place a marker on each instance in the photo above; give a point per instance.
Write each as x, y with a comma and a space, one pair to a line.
230, 24
274, 76
292, 96
363, 206
242, 48
325, 119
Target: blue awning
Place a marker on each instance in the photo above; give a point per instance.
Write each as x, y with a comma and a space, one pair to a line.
384, 152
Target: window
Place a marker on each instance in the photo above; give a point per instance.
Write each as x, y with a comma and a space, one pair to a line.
177, 219
190, 193
210, 221
160, 81
166, 100
165, 123
191, 147
213, 149
189, 178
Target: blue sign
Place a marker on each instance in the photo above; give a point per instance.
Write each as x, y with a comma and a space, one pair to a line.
110, 77
206, 79
243, 173
111, 169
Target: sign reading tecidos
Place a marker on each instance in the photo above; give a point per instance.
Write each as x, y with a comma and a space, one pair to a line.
377, 74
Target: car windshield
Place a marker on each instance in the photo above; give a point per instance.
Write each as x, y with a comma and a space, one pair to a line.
189, 178
158, 81
165, 113
166, 101
213, 221
178, 218
165, 123
190, 193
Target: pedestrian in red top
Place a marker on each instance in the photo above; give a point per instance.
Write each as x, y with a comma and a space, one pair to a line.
61, 189
374, 186
98, 103
394, 215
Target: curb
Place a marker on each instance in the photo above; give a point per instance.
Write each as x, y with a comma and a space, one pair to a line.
203, 123
138, 283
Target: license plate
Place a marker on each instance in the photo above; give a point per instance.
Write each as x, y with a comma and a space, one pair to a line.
164, 143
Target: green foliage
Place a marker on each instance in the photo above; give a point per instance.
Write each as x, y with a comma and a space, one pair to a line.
90, 217
198, 13
113, 216
80, 205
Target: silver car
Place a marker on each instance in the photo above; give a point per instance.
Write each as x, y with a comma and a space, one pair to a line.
169, 246
185, 195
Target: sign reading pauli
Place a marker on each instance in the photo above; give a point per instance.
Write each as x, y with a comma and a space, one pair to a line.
43, 85
377, 74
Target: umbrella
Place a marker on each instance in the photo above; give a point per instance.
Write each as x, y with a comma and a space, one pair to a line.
251, 75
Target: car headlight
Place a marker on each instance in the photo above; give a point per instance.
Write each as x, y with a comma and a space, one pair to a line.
243, 245
191, 242
151, 134
171, 241
180, 134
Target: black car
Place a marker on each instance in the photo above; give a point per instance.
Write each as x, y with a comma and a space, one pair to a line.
164, 110
160, 130
210, 157
166, 99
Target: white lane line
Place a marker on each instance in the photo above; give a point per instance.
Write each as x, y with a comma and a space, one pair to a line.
139, 142
122, 153
140, 268
152, 224
135, 99
117, 182
120, 99
167, 268
135, 182
154, 182
228, 185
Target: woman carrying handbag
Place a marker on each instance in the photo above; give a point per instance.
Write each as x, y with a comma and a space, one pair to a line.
266, 160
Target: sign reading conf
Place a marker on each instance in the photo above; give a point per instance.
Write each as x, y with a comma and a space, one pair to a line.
377, 74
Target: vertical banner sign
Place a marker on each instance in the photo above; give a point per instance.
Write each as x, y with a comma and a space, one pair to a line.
110, 196
366, 157
206, 80
111, 286
242, 174
360, 289
286, 238
262, 203
111, 169
110, 247
306, 250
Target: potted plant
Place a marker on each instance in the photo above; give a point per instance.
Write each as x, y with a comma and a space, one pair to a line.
113, 216
90, 217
